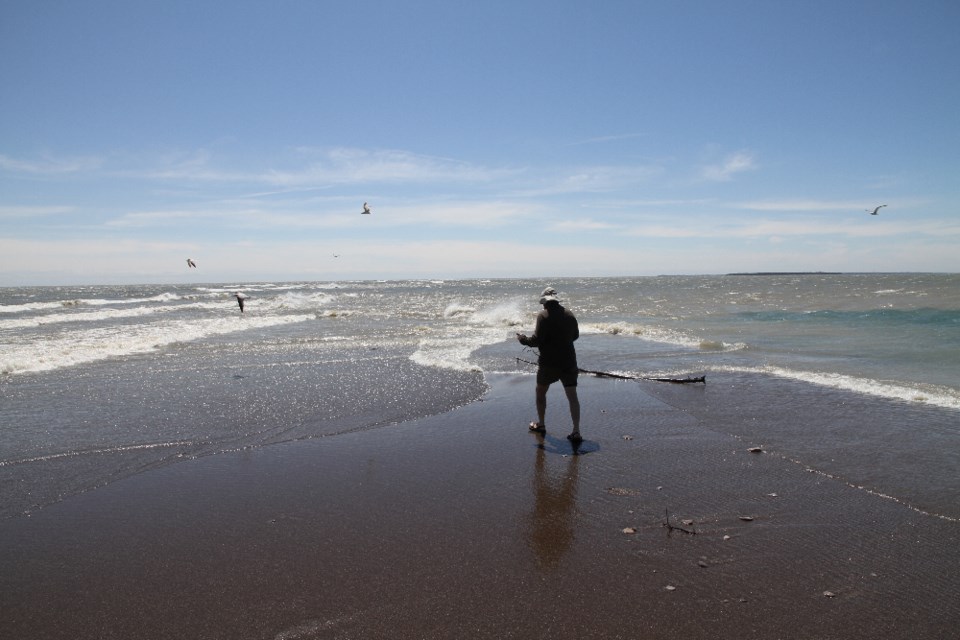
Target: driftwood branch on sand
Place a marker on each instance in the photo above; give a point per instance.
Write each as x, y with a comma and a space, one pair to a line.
685, 380
604, 374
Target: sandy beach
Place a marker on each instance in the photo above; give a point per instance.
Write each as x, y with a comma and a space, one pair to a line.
466, 525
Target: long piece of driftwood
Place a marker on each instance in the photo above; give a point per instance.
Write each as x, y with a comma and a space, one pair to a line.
604, 374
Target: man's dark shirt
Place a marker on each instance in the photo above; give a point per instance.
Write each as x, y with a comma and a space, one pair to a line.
554, 335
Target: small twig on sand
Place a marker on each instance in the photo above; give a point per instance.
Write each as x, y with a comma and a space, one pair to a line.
670, 527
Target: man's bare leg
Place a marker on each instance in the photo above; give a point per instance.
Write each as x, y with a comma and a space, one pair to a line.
574, 401
542, 404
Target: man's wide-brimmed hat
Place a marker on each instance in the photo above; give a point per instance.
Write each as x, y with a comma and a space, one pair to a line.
549, 295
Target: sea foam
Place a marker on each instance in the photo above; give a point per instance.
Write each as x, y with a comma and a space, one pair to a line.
77, 347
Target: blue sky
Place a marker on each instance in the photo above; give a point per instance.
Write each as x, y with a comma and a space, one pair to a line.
491, 139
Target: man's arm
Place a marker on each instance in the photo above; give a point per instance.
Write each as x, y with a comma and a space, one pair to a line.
534, 339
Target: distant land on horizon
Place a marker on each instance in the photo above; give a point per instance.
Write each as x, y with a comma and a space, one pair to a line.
787, 273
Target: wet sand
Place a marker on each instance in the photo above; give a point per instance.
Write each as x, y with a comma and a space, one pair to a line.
466, 525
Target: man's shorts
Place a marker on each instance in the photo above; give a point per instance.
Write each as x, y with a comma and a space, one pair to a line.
548, 375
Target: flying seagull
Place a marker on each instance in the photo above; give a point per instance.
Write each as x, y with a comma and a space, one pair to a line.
191, 263
240, 298
366, 208
874, 212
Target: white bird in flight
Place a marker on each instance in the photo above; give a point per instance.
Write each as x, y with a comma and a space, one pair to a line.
366, 208
874, 212
191, 263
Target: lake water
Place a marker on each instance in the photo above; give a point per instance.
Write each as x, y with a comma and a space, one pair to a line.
852, 375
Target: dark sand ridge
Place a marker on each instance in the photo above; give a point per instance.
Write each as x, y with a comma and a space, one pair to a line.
459, 525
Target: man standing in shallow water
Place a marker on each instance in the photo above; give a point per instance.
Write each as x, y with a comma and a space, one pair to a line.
555, 332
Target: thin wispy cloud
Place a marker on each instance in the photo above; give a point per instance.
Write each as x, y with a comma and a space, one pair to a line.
50, 166
588, 180
333, 213
312, 169
65, 253
582, 224
32, 212
746, 228
280, 192
610, 138
359, 166
230, 217
729, 167
666, 202
800, 205
484, 214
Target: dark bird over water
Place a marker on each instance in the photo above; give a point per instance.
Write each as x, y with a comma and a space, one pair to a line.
874, 212
191, 263
240, 298
366, 208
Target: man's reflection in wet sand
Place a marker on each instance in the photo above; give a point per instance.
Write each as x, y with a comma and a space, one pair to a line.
551, 527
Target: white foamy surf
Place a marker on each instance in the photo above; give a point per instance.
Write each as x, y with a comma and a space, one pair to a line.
72, 348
